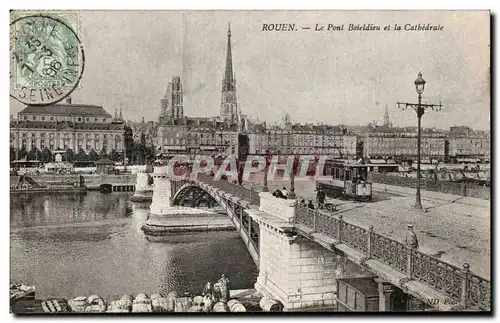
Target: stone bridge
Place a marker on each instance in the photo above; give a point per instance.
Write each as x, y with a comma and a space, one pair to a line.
315, 260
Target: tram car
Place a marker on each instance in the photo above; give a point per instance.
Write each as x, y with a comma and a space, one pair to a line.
352, 181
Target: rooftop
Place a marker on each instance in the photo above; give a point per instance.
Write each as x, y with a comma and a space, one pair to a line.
65, 124
67, 110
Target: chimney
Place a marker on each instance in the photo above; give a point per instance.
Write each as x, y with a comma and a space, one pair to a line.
68, 99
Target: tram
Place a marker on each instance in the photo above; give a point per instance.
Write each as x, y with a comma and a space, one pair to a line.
348, 180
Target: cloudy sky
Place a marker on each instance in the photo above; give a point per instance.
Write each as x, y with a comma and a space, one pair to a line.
330, 77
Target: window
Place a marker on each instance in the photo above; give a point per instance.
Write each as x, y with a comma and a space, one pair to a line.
51, 118
103, 119
79, 119
34, 118
86, 119
96, 119
25, 118
43, 118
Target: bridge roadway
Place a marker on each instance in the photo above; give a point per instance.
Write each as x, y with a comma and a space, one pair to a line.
413, 271
454, 229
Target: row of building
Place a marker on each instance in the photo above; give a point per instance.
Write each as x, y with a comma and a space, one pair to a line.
86, 127
89, 127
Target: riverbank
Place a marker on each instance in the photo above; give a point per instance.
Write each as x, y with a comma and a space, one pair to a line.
58, 190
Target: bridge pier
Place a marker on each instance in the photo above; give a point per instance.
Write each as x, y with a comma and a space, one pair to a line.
166, 216
143, 191
161, 192
298, 272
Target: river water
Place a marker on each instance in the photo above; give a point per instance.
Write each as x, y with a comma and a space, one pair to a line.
78, 245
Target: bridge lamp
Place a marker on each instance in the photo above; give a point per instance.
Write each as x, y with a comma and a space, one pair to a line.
419, 84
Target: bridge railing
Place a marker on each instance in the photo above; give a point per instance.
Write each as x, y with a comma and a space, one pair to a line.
467, 289
237, 190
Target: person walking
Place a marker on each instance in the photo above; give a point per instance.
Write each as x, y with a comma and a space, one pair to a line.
278, 194
321, 198
284, 192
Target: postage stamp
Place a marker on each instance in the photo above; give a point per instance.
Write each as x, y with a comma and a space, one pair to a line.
47, 58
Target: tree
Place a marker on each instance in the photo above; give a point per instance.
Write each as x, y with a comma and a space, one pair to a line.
22, 152
12, 153
46, 155
70, 155
34, 154
92, 156
81, 155
150, 153
103, 153
114, 156
129, 142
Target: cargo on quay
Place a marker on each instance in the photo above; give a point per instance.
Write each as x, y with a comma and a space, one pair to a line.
213, 298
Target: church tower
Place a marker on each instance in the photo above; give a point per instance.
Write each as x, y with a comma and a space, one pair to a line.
228, 105
386, 117
171, 104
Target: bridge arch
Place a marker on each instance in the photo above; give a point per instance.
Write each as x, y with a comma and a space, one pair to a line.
192, 196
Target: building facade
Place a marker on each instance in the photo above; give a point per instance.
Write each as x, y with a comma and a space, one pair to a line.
307, 139
466, 144
67, 126
401, 143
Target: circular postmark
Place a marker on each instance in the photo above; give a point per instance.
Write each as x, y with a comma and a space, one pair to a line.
47, 60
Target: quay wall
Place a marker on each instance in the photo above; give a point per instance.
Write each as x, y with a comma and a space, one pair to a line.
70, 179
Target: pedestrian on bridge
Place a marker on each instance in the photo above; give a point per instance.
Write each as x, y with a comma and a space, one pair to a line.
321, 198
278, 194
284, 192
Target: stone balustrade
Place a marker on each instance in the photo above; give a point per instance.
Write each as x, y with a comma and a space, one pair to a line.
465, 288
280, 208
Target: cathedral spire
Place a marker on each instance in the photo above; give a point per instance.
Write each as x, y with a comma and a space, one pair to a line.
121, 115
386, 117
228, 75
229, 106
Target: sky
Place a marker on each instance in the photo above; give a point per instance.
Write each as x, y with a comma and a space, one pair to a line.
340, 77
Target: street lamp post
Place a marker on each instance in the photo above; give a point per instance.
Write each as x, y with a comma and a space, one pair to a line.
291, 194
265, 188
266, 169
420, 110
221, 140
